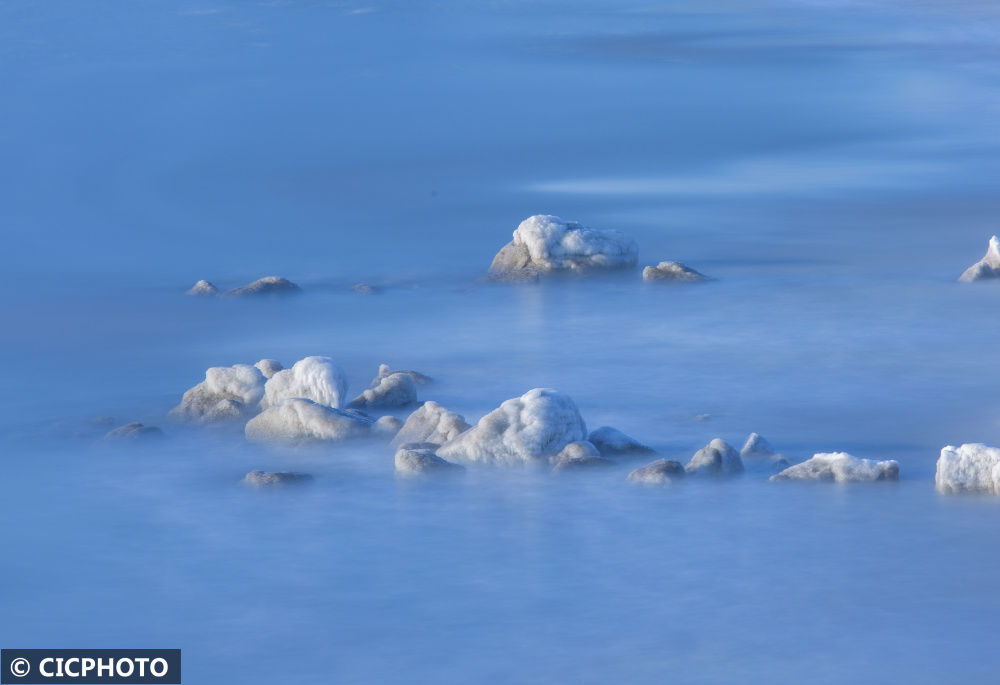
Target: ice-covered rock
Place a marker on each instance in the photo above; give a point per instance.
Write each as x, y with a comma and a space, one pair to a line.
416, 460
203, 289
546, 243
387, 426
432, 423
418, 378
659, 472
717, 458
611, 442
269, 367
364, 289
514, 276
523, 430
972, 467
394, 390
269, 285
313, 378
579, 455
840, 467
265, 479
227, 393
299, 420
757, 454
987, 267
671, 271
134, 431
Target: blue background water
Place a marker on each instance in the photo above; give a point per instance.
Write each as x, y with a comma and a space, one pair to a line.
832, 164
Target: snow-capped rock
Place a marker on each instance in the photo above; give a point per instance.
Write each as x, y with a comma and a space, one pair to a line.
758, 455
546, 243
269, 285
579, 455
431, 423
611, 442
227, 393
973, 467
659, 472
523, 430
717, 458
840, 467
134, 431
269, 367
394, 390
987, 267
418, 378
203, 289
299, 420
671, 271
414, 460
264, 479
313, 378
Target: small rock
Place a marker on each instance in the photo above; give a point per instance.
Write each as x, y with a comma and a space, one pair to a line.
840, 467
671, 271
659, 472
134, 431
387, 426
758, 454
717, 458
364, 289
394, 390
264, 479
432, 423
577, 455
418, 378
546, 244
269, 285
986, 268
611, 442
413, 460
268, 367
203, 289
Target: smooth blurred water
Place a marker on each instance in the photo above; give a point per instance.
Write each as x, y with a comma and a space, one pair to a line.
832, 164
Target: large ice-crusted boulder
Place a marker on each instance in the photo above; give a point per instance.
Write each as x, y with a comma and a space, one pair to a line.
840, 467
757, 454
659, 472
418, 460
546, 243
972, 467
265, 479
671, 271
524, 430
227, 393
300, 420
431, 423
313, 378
717, 458
394, 390
987, 267
579, 455
269, 285
203, 288
611, 442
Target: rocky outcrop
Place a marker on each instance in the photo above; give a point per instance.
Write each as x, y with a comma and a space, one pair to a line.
840, 467
545, 244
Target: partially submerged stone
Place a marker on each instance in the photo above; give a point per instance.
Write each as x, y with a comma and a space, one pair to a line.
418, 378
546, 244
514, 276
757, 454
228, 393
579, 455
298, 420
672, 271
265, 479
134, 431
387, 425
524, 430
364, 289
432, 423
840, 467
717, 458
416, 460
394, 390
203, 289
611, 442
972, 467
269, 285
986, 268
659, 472
313, 378
269, 367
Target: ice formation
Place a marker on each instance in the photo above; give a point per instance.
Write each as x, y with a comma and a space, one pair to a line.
134, 431
432, 423
972, 467
523, 430
394, 390
579, 455
840, 467
264, 479
671, 271
415, 460
418, 378
758, 454
313, 378
546, 243
987, 267
659, 472
717, 458
301, 420
269, 367
269, 285
611, 442
203, 289
227, 393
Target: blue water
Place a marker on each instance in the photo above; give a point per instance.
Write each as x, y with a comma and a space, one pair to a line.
834, 165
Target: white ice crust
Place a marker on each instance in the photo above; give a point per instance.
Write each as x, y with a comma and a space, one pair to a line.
300, 420
987, 267
523, 430
394, 390
313, 378
269, 367
547, 243
431, 423
671, 271
840, 467
228, 392
972, 467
